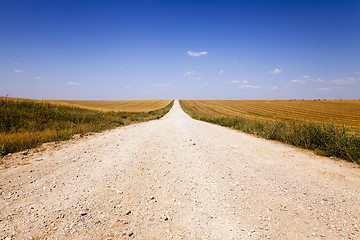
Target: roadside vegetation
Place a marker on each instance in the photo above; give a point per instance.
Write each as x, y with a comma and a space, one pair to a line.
26, 123
327, 139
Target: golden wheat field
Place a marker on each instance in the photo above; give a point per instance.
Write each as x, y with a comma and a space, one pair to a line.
329, 111
119, 106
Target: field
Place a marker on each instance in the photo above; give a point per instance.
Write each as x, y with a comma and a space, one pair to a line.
338, 112
119, 106
330, 128
26, 123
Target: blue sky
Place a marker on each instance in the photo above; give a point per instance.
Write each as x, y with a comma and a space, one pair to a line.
157, 49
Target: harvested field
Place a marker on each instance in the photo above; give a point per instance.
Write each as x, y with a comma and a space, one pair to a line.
338, 112
120, 106
327, 137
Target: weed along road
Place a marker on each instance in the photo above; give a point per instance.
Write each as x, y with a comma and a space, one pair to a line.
177, 178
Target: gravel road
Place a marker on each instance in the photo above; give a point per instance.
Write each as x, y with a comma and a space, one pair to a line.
177, 178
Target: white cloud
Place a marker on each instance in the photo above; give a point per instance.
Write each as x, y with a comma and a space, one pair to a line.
250, 86
221, 71
308, 78
234, 81
275, 88
161, 85
73, 83
189, 73
193, 75
18, 71
324, 89
317, 80
128, 87
37, 78
345, 81
297, 81
196, 54
237, 81
330, 88
275, 71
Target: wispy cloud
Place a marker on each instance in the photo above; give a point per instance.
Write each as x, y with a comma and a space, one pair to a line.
196, 54
245, 84
221, 71
317, 80
338, 82
18, 71
193, 75
128, 87
237, 81
250, 86
275, 71
73, 83
346, 81
297, 81
306, 79
37, 78
330, 88
273, 88
161, 85
189, 73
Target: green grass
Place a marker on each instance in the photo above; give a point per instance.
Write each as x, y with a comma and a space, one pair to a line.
325, 139
27, 123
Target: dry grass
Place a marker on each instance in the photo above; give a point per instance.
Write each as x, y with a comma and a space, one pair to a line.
119, 106
338, 112
26, 123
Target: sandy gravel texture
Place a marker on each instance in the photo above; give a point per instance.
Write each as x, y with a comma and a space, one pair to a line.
177, 178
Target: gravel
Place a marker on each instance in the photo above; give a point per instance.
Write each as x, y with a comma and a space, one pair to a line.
177, 178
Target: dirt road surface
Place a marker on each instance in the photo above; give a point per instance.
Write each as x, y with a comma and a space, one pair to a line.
177, 178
